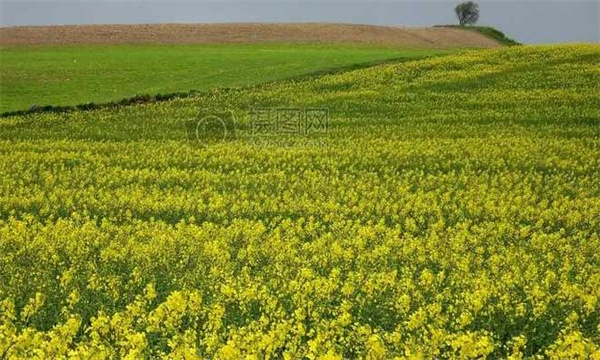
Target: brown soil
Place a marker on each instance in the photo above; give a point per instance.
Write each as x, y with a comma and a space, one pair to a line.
243, 33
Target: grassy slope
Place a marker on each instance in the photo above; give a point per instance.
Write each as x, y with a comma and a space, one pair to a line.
76, 75
480, 169
487, 31
494, 34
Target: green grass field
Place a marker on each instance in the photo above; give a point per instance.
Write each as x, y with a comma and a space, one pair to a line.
449, 211
72, 75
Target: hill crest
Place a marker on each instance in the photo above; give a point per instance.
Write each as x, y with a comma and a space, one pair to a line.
433, 37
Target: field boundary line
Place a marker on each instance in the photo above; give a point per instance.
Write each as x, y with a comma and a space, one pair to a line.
154, 98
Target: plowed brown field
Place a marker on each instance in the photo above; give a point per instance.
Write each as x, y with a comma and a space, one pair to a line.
244, 33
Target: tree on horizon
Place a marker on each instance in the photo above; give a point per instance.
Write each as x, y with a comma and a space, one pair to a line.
467, 13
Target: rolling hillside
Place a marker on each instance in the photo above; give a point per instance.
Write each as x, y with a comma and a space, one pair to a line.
244, 33
81, 74
448, 210
76, 65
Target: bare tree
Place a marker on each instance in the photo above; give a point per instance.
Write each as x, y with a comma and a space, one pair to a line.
467, 13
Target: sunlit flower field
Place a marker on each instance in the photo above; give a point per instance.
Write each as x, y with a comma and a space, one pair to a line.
451, 210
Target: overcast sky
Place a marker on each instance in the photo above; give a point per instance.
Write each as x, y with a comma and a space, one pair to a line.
528, 21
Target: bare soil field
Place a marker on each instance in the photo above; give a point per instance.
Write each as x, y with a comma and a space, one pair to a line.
243, 33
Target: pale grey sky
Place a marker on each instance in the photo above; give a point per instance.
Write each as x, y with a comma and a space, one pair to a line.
528, 21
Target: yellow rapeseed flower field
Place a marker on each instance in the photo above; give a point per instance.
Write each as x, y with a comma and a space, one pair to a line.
450, 211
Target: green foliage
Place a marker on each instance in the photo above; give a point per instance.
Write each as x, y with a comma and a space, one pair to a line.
467, 13
494, 34
487, 31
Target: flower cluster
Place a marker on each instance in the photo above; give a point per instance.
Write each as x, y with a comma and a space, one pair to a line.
452, 214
